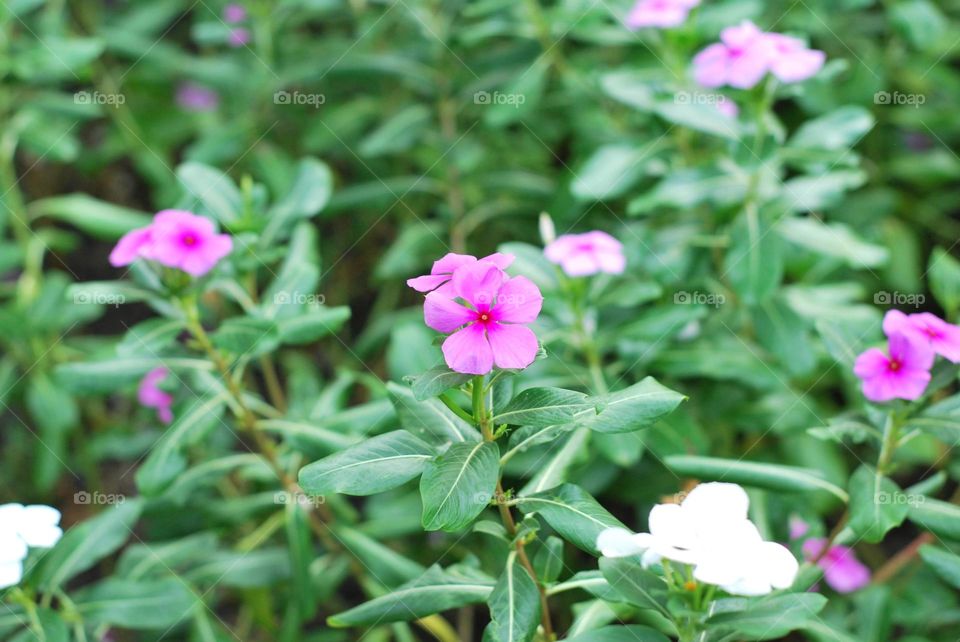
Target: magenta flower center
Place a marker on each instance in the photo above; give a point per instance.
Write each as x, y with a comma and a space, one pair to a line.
189, 239
894, 365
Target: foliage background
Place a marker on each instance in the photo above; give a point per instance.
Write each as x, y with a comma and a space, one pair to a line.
405, 160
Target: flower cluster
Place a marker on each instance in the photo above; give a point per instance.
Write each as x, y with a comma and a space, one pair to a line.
913, 341
151, 395
745, 54
661, 14
709, 531
22, 528
587, 254
483, 310
176, 239
233, 14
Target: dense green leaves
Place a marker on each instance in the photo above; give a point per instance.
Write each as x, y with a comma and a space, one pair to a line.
457, 485
633, 583
514, 604
639, 406
542, 407
372, 466
876, 504
572, 512
767, 618
154, 604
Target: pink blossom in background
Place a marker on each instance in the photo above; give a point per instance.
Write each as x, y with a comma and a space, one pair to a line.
193, 97
943, 337
587, 254
842, 571
151, 396
904, 374
659, 13
489, 329
176, 239
233, 13
239, 37
727, 107
442, 271
745, 54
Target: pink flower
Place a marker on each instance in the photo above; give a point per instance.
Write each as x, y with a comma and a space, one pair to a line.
841, 568
745, 55
586, 254
442, 271
198, 98
659, 13
176, 239
151, 396
903, 375
727, 107
239, 37
234, 13
943, 337
487, 331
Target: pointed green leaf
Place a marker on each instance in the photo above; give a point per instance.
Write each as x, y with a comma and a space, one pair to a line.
458, 485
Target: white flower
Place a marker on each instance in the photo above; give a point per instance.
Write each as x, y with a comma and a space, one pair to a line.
710, 531
21, 528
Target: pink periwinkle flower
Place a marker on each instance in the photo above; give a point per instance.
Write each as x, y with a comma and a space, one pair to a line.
904, 374
151, 396
587, 254
488, 330
234, 13
727, 107
443, 268
943, 337
176, 239
660, 13
197, 98
745, 54
239, 37
842, 571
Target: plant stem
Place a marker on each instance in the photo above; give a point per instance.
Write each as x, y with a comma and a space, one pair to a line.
891, 432
481, 416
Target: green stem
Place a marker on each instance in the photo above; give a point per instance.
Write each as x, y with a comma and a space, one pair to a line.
891, 433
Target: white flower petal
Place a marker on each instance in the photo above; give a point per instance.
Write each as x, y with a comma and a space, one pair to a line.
719, 567
780, 565
671, 525
38, 526
10, 514
618, 542
748, 586
10, 573
12, 547
716, 502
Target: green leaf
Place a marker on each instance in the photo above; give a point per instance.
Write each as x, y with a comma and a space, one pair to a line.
938, 517
436, 381
608, 173
247, 336
433, 592
52, 626
372, 466
84, 545
754, 262
56, 58
701, 116
312, 187
766, 618
98, 218
542, 407
639, 406
262, 567
944, 271
150, 338
832, 239
430, 419
634, 583
944, 563
748, 473
314, 322
136, 604
103, 376
876, 504
458, 485
837, 130
572, 512
213, 189
515, 604
629, 633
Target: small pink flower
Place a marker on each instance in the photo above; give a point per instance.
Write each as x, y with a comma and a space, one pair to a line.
727, 107
902, 375
151, 396
234, 13
176, 239
442, 271
197, 98
943, 337
791, 60
487, 331
239, 37
659, 13
842, 570
587, 254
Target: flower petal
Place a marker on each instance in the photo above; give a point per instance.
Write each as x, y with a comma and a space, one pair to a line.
843, 571
10, 573
717, 502
478, 284
617, 542
130, 247
448, 263
468, 351
514, 346
428, 282
445, 315
519, 301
